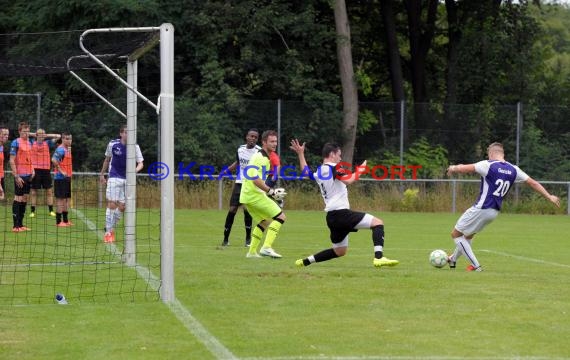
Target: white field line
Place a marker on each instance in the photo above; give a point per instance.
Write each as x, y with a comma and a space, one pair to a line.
182, 314
432, 357
524, 258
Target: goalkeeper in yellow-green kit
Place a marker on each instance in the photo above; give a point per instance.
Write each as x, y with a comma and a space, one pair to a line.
255, 195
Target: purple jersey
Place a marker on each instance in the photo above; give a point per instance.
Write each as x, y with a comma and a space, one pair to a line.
497, 177
117, 151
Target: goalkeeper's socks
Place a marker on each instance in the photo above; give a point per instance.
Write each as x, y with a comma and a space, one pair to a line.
256, 236
272, 232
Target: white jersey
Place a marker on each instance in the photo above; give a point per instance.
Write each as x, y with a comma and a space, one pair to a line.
243, 156
334, 191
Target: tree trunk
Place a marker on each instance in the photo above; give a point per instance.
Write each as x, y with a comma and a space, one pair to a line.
420, 36
346, 71
394, 62
452, 121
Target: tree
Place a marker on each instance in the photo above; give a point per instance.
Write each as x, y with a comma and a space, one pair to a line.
346, 70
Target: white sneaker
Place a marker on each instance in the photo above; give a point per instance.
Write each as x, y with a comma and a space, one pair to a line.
250, 256
269, 252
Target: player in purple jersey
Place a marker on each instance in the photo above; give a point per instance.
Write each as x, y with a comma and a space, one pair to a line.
116, 162
497, 178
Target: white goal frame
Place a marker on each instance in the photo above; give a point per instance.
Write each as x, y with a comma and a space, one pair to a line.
165, 108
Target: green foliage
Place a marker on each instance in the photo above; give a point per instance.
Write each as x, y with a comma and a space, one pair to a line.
432, 159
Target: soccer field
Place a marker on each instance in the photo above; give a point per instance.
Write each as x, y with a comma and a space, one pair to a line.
232, 307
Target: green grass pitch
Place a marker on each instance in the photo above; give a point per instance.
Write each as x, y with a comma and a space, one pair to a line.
229, 306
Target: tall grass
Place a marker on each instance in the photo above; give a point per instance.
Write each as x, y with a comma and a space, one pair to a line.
364, 195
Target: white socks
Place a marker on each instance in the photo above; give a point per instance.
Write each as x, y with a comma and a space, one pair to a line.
463, 247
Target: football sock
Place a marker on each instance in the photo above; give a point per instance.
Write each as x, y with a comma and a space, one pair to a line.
468, 251
378, 240
32, 208
256, 236
247, 220
57, 218
272, 232
117, 214
457, 252
64, 214
50, 208
109, 219
16, 212
22, 213
228, 225
324, 255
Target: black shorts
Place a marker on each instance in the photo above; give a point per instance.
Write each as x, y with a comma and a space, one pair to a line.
3, 185
42, 179
62, 188
24, 190
234, 200
342, 222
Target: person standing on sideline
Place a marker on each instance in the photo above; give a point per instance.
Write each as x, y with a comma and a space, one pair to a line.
244, 153
341, 221
255, 196
497, 178
116, 162
41, 161
21, 166
62, 163
4, 134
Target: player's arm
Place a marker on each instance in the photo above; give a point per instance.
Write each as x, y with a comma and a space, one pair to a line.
233, 166
300, 150
56, 160
139, 167
12, 162
104, 168
351, 177
461, 169
536, 186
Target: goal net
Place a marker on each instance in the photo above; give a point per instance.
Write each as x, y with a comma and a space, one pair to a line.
97, 89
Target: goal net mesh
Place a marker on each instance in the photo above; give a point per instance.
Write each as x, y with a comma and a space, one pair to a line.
36, 265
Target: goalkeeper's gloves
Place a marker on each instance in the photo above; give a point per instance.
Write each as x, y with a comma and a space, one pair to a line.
277, 194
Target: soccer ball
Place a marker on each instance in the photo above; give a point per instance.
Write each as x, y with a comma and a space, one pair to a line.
438, 258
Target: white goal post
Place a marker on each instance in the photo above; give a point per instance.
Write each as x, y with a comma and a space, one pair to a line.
165, 108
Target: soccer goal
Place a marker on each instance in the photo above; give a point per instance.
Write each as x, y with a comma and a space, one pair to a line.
37, 264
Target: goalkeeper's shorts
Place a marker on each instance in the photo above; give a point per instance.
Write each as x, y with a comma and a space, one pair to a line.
262, 208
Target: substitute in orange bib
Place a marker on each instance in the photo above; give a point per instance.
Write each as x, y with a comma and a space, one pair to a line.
41, 161
21, 165
62, 163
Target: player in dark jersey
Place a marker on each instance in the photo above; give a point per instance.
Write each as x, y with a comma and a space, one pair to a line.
497, 178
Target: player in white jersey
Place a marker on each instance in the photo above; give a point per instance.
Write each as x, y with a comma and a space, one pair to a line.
244, 153
341, 220
497, 178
